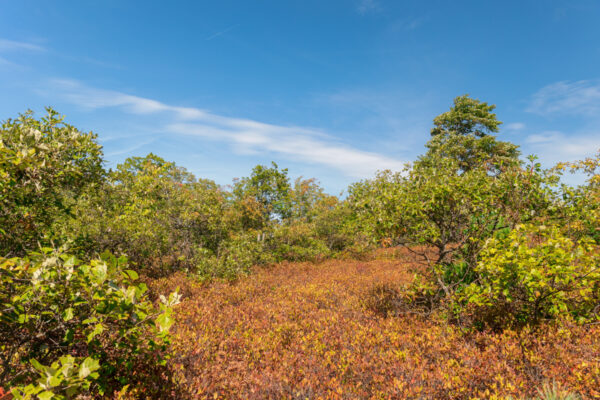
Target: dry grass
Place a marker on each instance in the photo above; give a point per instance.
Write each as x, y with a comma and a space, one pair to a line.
301, 331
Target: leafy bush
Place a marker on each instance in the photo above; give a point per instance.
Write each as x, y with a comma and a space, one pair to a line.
45, 165
535, 273
297, 242
579, 213
382, 299
68, 326
156, 213
235, 257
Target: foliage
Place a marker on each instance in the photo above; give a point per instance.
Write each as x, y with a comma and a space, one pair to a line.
471, 152
579, 213
158, 214
68, 326
235, 258
45, 165
375, 206
64, 379
299, 330
450, 216
382, 299
535, 273
297, 242
270, 188
466, 117
494, 239
464, 135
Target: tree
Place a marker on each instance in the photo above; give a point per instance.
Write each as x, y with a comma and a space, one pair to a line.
270, 188
45, 164
467, 117
157, 213
305, 197
464, 134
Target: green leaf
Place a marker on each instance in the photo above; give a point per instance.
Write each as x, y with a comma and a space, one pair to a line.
164, 322
132, 274
88, 366
98, 329
35, 363
68, 314
45, 395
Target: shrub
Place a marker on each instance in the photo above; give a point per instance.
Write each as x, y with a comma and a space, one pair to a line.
68, 326
45, 165
297, 242
156, 213
235, 257
555, 392
532, 274
382, 299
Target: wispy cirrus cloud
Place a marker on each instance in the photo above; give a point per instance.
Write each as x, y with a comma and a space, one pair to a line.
241, 135
579, 98
12, 45
555, 146
222, 32
514, 126
366, 6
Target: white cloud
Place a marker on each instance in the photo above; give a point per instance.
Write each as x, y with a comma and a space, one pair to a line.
219, 33
555, 146
365, 6
406, 24
9, 45
243, 135
514, 126
581, 97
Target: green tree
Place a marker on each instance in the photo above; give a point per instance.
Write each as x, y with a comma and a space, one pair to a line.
45, 165
465, 134
157, 213
467, 117
376, 206
270, 188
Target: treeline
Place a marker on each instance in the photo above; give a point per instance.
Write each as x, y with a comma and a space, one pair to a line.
162, 217
503, 243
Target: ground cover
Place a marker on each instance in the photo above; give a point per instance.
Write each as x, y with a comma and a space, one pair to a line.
301, 330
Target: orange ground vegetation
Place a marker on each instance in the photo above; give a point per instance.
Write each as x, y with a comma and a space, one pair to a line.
300, 331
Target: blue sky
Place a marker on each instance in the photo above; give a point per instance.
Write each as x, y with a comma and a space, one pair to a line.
329, 89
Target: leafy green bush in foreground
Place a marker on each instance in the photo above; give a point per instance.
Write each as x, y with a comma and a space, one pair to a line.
67, 326
535, 273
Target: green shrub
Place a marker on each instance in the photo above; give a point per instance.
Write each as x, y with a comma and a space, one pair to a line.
235, 257
156, 213
534, 273
68, 326
555, 392
297, 242
45, 165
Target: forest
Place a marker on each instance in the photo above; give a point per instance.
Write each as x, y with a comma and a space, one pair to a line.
473, 273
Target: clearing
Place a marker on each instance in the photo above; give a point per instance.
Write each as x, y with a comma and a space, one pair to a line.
300, 330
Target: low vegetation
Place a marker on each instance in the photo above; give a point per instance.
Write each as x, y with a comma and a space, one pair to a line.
469, 274
338, 329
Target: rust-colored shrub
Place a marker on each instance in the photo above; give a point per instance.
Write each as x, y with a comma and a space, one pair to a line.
382, 299
300, 330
